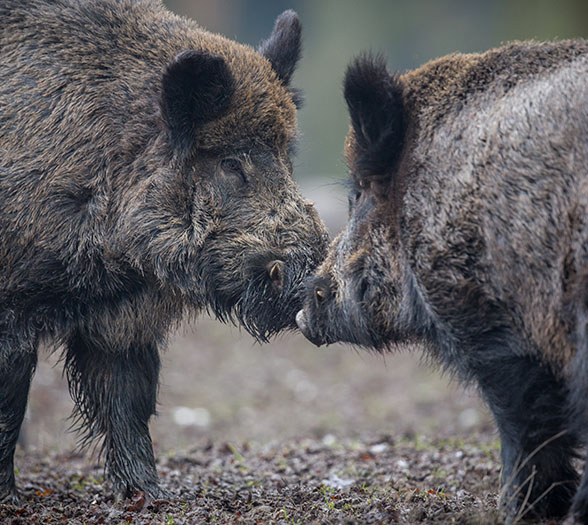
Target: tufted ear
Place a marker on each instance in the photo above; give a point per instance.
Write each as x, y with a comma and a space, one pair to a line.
197, 88
284, 47
377, 111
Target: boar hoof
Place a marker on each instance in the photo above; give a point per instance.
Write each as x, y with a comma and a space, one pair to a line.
10, 497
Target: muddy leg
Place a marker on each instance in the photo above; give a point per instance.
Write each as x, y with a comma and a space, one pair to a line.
579, 405
530, 407
16, 371
115, 395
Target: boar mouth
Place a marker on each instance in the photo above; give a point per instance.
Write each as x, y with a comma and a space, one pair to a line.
306, 332
264, 301
341, 325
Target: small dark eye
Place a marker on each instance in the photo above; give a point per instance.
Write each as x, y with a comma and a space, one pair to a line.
364, 184
353, 197
233, 166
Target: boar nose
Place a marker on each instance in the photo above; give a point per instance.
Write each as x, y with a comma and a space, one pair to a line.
313, 315
306, 332
275, 271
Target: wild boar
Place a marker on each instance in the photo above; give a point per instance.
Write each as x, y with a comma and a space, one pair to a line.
145, 172
468, 231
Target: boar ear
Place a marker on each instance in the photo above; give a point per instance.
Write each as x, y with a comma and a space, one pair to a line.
196, 88
377, 111
283, 48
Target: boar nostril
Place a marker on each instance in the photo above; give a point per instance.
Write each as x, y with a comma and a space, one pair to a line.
275, 270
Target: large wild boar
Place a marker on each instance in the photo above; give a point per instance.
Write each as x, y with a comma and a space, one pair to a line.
468, 231
145, 171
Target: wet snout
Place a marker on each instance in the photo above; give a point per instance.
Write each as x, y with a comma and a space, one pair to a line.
304, 327
312, 319
271, 290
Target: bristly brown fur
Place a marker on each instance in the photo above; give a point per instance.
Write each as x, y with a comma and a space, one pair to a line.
476, 243
145, 173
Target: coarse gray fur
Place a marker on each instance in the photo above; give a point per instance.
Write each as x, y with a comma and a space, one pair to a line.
468, 231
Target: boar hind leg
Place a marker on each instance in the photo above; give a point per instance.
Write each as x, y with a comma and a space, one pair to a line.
579, 406
16, 371
115, 395
529, 404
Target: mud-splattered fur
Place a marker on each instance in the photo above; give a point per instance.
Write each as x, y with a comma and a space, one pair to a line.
145, 173
474, 241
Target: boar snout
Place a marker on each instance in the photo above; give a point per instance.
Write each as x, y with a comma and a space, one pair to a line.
268, 293
304, 328
318, 295
308, 330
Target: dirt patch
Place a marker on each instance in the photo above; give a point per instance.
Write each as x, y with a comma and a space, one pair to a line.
280, 433
383, 479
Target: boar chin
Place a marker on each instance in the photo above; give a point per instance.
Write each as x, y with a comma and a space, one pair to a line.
349, 324
262, 306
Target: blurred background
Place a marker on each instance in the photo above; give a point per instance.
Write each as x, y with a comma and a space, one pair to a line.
217, 383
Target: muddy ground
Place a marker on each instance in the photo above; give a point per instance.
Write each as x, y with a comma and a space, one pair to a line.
385, 479
281, 433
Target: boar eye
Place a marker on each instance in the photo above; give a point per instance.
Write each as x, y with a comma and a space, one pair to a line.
353, 196
232, 166
364, 184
